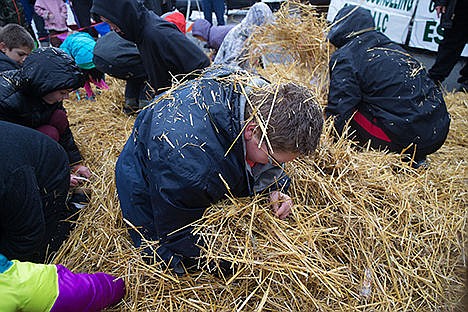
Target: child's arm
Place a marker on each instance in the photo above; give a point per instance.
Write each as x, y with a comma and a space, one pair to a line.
86, 292
63, 11
42, 10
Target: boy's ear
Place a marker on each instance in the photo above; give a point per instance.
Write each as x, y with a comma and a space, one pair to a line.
3, 47
250, 130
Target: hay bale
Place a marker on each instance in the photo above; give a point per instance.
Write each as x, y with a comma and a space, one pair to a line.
366, 233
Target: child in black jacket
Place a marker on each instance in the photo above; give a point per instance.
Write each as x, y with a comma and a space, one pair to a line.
32, 96
381, 92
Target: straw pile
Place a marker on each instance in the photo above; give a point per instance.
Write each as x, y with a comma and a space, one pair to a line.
367, 233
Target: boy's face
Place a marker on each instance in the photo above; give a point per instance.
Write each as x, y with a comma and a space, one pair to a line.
56, 96
261, 154
16, 54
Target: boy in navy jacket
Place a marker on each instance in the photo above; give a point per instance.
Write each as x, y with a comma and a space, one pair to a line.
206, 139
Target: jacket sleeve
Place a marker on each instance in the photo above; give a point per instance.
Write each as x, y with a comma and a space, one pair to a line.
63, 10
22, 219
68, 143
345, 94
182, 56
41, 10
87, 292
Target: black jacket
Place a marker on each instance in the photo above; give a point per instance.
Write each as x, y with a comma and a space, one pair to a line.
118, 57
33, 170
7, 63
173, 165
165, 51
446, 20
21, 92
375, 76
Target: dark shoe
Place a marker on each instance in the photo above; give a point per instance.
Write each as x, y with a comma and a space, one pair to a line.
78, 199
130, 107
420, 164
221, 268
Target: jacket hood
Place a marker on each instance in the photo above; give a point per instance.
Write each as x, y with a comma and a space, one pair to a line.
259, 14
201, 27
49, 69
128, 15
177, 19
349, 22
80, 47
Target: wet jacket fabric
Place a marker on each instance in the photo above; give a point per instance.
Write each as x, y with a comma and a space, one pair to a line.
214, 35
7, 63
165, 51
232, 51
21, 91
173, 165
80, 47
34, 182
382, 82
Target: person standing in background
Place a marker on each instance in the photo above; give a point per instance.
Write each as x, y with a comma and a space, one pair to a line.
216, 6
453, 19
54, 13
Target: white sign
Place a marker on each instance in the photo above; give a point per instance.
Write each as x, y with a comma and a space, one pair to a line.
426, 32
391, 17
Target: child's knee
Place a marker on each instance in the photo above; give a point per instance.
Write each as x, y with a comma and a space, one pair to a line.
50, 131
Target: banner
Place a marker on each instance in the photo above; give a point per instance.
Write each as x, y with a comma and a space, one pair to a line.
391, 17
426, 32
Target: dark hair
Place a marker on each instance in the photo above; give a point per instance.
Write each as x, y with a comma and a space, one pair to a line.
95, 74
16, 36
291, 115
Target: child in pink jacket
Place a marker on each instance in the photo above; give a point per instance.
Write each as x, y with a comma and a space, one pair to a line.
54, 13
31, 287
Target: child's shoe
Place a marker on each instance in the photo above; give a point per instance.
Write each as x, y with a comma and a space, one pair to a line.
79, 199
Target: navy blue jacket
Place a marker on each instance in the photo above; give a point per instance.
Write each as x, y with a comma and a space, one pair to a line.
34, 174
164, 49
7, 63
21, 92
170, 169
375, 76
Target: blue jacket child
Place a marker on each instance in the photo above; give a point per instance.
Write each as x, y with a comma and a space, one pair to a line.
203, 134
80, 47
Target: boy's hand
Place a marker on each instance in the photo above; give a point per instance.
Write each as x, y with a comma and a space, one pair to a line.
281, 204
74, 180
79, 173
440, 10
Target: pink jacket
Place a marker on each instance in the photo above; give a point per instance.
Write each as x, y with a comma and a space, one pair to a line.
54, 13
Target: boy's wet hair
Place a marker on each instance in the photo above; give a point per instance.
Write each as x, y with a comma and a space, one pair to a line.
16, 36
291, 115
